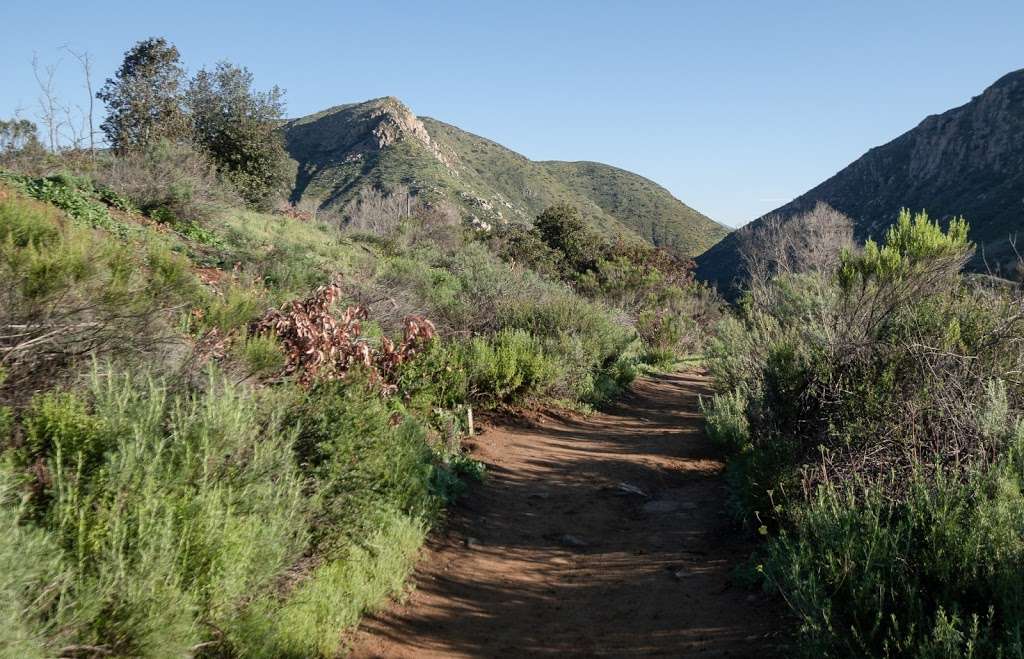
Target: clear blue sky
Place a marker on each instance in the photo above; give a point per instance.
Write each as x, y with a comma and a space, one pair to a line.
736, 107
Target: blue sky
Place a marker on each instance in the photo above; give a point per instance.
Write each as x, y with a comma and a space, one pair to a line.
736, 107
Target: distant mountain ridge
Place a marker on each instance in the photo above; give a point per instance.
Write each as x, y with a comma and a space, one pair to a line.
381, 142
967, 161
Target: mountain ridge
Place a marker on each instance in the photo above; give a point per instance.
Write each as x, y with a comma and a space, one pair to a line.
382, 143
967, 161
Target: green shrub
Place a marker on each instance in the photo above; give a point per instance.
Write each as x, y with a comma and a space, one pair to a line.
508, 367
171, 511
360, 576
438, 376
914, 243
524, 245
115, 200
871, 419
466, 468
650, 286
75, 292
261, 355
611, 380
725, 419
75, 196
472, 290
358, 460
6, 419
373, 489
33, 578
168, 520
237, 305
663, 334
441, 292
564, 232
935, 576
166, 177
60, 422
27, 223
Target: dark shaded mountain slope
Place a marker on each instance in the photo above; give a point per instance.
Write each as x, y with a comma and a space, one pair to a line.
968, 161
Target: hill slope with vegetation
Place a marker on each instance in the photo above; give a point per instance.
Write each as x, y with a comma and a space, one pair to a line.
381, 143
226, 425
968, 161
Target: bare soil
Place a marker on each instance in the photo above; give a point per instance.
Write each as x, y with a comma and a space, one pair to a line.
558, 554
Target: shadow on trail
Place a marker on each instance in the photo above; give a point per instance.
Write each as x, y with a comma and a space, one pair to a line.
552, 555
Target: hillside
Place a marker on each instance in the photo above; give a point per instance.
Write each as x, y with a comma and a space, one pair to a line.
265, 412
381, 142
967, 161
246, 400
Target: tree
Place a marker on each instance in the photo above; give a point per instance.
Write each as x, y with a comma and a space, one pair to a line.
18, 134
50, 109
85, 62
810, 242
238, 128
20, 148
562, 228
144, 98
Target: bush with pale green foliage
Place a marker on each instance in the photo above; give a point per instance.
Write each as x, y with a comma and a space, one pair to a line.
160, 520
164, 513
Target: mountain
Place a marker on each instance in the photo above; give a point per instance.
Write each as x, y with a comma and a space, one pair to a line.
381, 143
968, 161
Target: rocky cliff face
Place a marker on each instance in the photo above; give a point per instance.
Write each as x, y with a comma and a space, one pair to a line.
396, 121
968, 161
356, 133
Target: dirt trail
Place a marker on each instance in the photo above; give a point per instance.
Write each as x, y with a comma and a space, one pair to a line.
552, 557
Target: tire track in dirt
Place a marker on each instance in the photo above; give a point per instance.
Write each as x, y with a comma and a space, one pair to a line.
553, 556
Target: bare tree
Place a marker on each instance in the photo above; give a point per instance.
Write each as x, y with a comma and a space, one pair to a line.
85, 62
379, 212
50, 109
809, 242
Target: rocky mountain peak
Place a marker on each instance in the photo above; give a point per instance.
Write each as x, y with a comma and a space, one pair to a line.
394, 120
358, 131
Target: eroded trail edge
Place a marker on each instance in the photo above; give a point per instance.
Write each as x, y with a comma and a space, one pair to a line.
599, 536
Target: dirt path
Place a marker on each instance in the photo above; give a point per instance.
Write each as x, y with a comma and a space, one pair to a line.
551, 556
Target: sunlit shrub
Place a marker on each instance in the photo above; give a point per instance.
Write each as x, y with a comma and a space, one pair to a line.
507, 367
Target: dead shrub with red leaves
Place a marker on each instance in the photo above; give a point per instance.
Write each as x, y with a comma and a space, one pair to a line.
300, 212
319, 344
